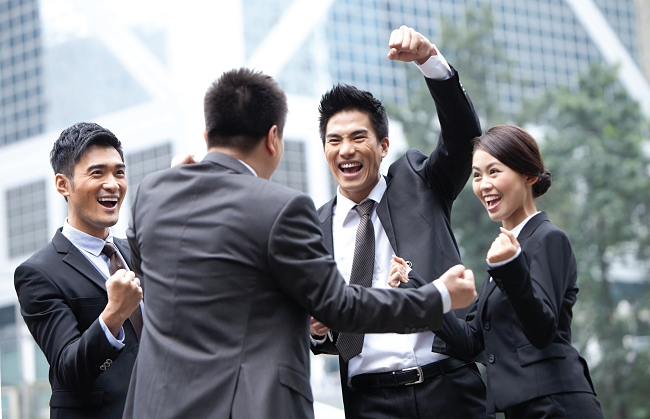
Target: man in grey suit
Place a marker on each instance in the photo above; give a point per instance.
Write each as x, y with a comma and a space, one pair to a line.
235, 264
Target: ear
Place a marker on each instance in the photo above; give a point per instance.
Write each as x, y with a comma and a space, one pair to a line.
530, 180
271, 140
205, 136
385, 143
63, 184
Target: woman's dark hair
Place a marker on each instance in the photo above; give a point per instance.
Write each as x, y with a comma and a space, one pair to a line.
518, 150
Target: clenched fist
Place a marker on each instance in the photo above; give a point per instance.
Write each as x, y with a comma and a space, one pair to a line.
124, 295
503, 247
460, 284
406, 44
399, 269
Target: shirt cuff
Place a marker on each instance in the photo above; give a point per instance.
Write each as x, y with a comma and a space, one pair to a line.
436, 67
115, 343
503, 262
317, 341
444, 293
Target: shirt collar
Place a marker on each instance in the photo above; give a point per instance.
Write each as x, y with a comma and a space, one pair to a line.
344, 205
248, 167
85, 241
521, 225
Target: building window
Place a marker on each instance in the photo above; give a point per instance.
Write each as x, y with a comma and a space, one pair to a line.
26, 218
292, 170
10, 371
142, 163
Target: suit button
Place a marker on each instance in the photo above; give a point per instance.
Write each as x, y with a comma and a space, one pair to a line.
487, 326
491, 359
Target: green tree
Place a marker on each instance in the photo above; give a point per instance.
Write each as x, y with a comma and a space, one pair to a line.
470, 47
600, 197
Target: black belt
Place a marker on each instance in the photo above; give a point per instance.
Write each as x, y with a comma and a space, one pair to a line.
407, 376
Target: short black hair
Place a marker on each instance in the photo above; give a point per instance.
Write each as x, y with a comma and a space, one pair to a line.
344, 97
75, 140
241, 107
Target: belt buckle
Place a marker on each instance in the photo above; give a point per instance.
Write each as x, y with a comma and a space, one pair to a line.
420, 375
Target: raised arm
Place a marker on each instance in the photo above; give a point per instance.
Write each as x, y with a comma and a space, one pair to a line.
449, 165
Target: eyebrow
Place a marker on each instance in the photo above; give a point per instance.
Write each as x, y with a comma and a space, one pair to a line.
494, 163
105, 166
352, 134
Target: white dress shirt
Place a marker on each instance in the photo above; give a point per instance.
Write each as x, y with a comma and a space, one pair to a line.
386, 351
91, 247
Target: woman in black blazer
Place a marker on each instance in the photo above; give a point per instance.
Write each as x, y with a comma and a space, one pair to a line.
524, 326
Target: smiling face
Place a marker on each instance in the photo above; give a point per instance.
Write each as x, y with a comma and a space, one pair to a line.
505, 193
96, 191
353, 153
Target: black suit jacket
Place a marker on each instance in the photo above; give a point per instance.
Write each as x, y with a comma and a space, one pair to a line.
61, 295
415, 210
234, 265
525, 325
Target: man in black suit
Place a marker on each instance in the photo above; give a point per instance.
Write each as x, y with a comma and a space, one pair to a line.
234, 264
399, 376
76, 309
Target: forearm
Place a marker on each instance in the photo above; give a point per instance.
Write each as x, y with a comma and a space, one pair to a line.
529, 302
449, 165
465, 337
74, 354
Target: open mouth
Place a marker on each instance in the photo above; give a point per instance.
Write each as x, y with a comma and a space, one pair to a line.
108, 203
350, 168
492, 201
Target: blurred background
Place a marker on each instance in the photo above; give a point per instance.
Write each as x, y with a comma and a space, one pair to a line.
573, 72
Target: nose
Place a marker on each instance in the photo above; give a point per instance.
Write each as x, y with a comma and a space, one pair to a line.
485, 185
110, 183
347, 149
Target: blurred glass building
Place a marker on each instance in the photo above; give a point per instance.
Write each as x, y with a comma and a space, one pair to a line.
64, 61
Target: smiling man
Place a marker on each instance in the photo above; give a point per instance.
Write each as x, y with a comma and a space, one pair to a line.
393, 375
76, 295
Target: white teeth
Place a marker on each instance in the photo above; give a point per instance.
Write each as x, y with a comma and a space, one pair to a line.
491, 198
108, 199
349, 165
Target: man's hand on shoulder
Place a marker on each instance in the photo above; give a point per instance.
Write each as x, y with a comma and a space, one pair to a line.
124, 295
184, 159
460, 284
406, 44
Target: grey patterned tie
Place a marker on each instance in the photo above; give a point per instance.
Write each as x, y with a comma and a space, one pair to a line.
115, 263
363, 265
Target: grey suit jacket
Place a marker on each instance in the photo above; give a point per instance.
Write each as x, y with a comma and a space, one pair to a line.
234, 266
61, 295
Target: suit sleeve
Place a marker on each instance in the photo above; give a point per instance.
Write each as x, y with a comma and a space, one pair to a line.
464, 336
74, 356
449, 165
136, 259
327, 347
305, 271
536, 289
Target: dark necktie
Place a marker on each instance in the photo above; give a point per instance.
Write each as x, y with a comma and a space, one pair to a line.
363, 266
115, 263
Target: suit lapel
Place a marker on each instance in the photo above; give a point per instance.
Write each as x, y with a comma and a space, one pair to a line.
530, 227
76, 260
325, 216
386, 222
